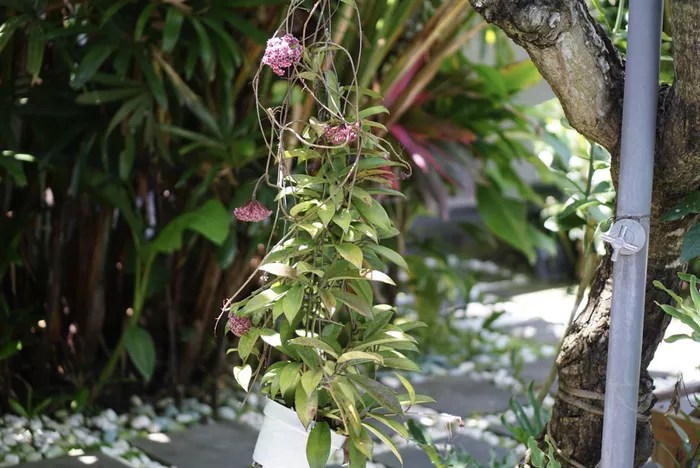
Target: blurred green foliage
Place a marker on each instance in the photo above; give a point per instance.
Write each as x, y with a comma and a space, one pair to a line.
131, 133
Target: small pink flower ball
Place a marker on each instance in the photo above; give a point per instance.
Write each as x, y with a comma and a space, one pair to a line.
239, 325
252, 212
340, 134
282, 53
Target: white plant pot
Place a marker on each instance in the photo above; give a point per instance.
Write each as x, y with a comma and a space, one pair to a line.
282, 439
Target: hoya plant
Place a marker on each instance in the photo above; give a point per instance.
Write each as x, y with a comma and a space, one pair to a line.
315, 333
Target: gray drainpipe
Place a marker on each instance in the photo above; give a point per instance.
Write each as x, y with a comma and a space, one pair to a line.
630, 232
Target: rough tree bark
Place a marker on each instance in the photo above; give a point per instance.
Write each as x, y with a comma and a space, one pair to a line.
581, 65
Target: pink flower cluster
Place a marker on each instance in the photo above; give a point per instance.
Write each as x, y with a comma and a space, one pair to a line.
239, 325
282, 53
340, 134
251, 212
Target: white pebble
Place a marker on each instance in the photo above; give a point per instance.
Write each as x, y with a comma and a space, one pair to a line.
140, 422
12, 459
226, 413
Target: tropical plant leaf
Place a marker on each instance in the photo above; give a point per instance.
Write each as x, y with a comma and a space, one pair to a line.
318, 446
691, 243
211, 220
141, 350
351, 253
279, 269
382, 394
243, 374
171, 30
292, 302
506, 218
690, 204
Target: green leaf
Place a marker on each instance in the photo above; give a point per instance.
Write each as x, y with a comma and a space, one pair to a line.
171, 30
674, 338
311, 379
302, 207
689, 205
386, 440
242, 374
279, 269
521, 75
343, 219
374, 214
326, 212
362, 441
393, 424
382, 394
318, 447
211, 220
681, 315
351, 253
246, 343
92, 62
142, 20
18, 408
247, 28
536, 455
360, 356
389, 254
306, 405
658, 284
375, 275
107, 95
289, 377
333, 93
506, 218
353, 301
205, 49
302, 154
292, 302
35, 51
691, 243
260, 301
694, 293
314, 343
401, 364
141, 349
8, 28
10, 348
409, 388
357, 458
370, 111
153, 80
127, 109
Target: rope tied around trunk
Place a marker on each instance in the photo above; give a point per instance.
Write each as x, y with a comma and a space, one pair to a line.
574, 397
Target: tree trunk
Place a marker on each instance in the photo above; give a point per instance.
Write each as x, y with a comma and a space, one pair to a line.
585, 72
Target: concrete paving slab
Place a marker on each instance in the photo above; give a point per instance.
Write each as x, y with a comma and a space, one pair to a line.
414, 457
88, 460
537, 371
216, 444
461, 396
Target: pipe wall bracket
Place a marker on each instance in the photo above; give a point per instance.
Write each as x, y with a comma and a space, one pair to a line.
626, 236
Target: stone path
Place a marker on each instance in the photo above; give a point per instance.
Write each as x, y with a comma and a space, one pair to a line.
231, 445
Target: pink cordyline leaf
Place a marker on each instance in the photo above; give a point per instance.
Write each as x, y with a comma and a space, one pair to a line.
282, 53
400, 86
420, 154
252, 212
